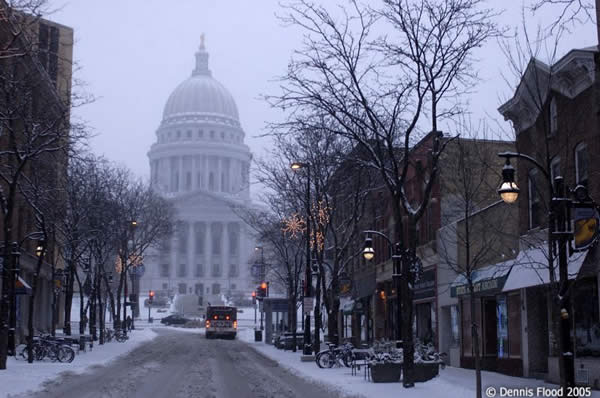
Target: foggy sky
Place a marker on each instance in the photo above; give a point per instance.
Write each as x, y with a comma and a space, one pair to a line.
132, 53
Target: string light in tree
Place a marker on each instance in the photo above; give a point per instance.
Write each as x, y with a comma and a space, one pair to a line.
293, 225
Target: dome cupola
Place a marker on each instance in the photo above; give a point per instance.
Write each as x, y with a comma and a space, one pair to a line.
201, 94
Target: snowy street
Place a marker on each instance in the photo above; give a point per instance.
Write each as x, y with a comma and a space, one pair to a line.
182, 364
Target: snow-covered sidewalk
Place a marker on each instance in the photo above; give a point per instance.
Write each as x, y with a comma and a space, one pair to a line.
21, 376
451, 382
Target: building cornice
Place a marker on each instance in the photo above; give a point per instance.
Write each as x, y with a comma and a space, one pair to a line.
570, 76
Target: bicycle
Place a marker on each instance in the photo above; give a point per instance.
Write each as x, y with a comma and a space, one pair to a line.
45, 346
120, 336
335, 355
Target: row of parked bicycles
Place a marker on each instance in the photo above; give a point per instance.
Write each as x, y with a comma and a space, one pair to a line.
48, 347
346, 354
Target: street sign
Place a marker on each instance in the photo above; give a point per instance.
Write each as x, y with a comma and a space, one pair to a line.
309, 304
587, 221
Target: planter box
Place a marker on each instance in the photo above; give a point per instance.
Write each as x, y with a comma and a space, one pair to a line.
386, 372
424, 371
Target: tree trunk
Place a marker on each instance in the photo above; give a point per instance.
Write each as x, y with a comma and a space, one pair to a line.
475, 339
317, 342
69, 299
34, 287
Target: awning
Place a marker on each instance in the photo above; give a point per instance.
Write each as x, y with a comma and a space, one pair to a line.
488, 280
530, 268
21, 287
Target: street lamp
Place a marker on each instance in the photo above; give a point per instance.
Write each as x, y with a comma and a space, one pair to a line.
509, 191
12, 321
39, 250
296, 166
368, 251
369, 254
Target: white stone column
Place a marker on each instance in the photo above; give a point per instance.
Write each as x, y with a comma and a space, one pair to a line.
173, 257
181, 175
219, 173
205, 172
191, 250
225, 250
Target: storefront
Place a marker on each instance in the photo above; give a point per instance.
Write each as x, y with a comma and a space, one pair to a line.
425, 307
497, 318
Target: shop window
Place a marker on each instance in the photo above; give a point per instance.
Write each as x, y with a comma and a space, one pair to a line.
454, 324
467, 322
490, 327
587, 322
502, 326
514, 325
467, 338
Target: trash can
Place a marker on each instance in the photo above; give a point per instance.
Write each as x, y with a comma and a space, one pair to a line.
257, 335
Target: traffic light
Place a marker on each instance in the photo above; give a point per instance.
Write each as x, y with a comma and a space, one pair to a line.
262, 290
151, 297
253, 298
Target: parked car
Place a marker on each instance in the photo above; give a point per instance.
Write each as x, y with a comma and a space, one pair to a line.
174, 319
285, 341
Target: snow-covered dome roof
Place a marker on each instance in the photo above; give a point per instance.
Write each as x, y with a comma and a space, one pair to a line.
201, 94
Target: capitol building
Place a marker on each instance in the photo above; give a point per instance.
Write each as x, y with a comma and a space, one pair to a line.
200, 162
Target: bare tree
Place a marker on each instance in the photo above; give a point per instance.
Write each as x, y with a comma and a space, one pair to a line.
379, 91
570, 12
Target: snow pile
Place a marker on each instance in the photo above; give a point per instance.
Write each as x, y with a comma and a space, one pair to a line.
21, 376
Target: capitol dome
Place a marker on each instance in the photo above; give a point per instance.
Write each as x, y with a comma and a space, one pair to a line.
201, 94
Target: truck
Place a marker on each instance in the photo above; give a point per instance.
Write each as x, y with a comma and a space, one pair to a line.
221, 321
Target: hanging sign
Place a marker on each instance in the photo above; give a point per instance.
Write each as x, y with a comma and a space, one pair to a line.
587, 223
345, 286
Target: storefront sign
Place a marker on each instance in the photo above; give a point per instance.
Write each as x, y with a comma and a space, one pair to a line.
486, 285
425, 287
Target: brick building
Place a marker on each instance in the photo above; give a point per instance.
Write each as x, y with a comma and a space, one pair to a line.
555, 115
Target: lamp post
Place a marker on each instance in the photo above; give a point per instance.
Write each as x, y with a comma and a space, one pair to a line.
307, 274
12, 319
558, 234
396, 255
